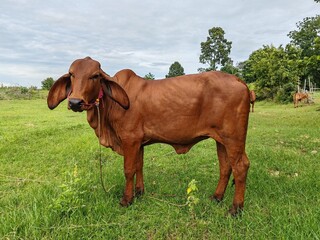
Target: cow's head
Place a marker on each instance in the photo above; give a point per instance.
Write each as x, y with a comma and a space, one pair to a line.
82, 86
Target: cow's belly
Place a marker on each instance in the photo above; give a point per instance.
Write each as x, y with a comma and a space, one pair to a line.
181, 144
176, 131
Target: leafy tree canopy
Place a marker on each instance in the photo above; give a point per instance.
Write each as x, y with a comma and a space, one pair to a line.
175, 70
149, 76
215, 51
307, 38
229, 68
47, 83
273, 69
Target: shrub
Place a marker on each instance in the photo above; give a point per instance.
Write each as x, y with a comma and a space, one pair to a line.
70, 199
284, 94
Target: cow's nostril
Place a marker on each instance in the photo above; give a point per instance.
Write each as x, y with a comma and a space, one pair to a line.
75, 104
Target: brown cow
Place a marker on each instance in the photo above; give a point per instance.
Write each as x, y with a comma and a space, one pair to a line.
179, 111
252, 99
297, 97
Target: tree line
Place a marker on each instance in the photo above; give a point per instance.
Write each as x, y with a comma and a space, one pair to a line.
272, 71
275, 72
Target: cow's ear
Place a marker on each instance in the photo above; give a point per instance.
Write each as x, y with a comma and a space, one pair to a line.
114, 91
59, 91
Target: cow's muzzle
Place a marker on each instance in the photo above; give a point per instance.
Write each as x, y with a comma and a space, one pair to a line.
75, 104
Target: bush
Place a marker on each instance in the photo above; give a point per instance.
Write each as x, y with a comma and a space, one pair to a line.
279, 95
70, 199
264, 93
47, 83
12, 93
284, 94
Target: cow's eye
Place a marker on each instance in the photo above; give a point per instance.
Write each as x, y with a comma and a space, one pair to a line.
96, 76
71, 74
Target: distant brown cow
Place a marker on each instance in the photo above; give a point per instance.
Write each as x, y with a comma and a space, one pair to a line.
179, 111
297, 97
252, 99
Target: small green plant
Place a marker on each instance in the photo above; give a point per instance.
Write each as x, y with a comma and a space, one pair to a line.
70, 199
192, 199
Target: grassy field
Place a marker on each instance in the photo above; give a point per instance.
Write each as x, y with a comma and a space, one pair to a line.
50, 187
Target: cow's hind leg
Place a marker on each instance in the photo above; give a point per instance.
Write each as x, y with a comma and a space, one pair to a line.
139, 174
225, 172
240, 165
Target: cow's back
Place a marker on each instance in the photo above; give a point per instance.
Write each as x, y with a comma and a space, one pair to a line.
192, 90
180, 109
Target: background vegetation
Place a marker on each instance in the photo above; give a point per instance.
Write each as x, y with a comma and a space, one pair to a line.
50, 188
274, 72
9, 93
175, 70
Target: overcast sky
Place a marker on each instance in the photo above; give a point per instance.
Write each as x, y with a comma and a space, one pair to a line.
40, 39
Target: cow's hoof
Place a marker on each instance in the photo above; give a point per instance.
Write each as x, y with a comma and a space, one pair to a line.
139, 192
126, 203
235, 211
216, 199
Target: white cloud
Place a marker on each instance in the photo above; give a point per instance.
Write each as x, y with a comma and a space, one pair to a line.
41, 38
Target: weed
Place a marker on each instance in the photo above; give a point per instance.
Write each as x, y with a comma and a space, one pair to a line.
70, 199
192, 199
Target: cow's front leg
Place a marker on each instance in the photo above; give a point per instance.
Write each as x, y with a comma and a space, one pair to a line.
131, 154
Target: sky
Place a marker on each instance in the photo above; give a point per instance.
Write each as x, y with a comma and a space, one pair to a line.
40, 39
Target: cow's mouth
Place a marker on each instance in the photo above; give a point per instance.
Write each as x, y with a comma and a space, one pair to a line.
78, 105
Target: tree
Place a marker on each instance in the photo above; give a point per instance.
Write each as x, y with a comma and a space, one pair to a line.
274, 71
307, 38
47, 83
215, 51
175, 70
149, 76
229, 68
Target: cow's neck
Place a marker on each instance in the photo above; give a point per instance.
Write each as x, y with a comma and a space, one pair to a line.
106, 135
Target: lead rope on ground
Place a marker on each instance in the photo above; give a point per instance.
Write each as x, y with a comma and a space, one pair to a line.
100, 149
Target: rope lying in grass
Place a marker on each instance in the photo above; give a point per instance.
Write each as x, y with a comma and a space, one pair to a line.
19, 179
100, 152
164, 201
73, 226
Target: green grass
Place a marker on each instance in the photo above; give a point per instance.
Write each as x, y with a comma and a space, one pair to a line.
50, 187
